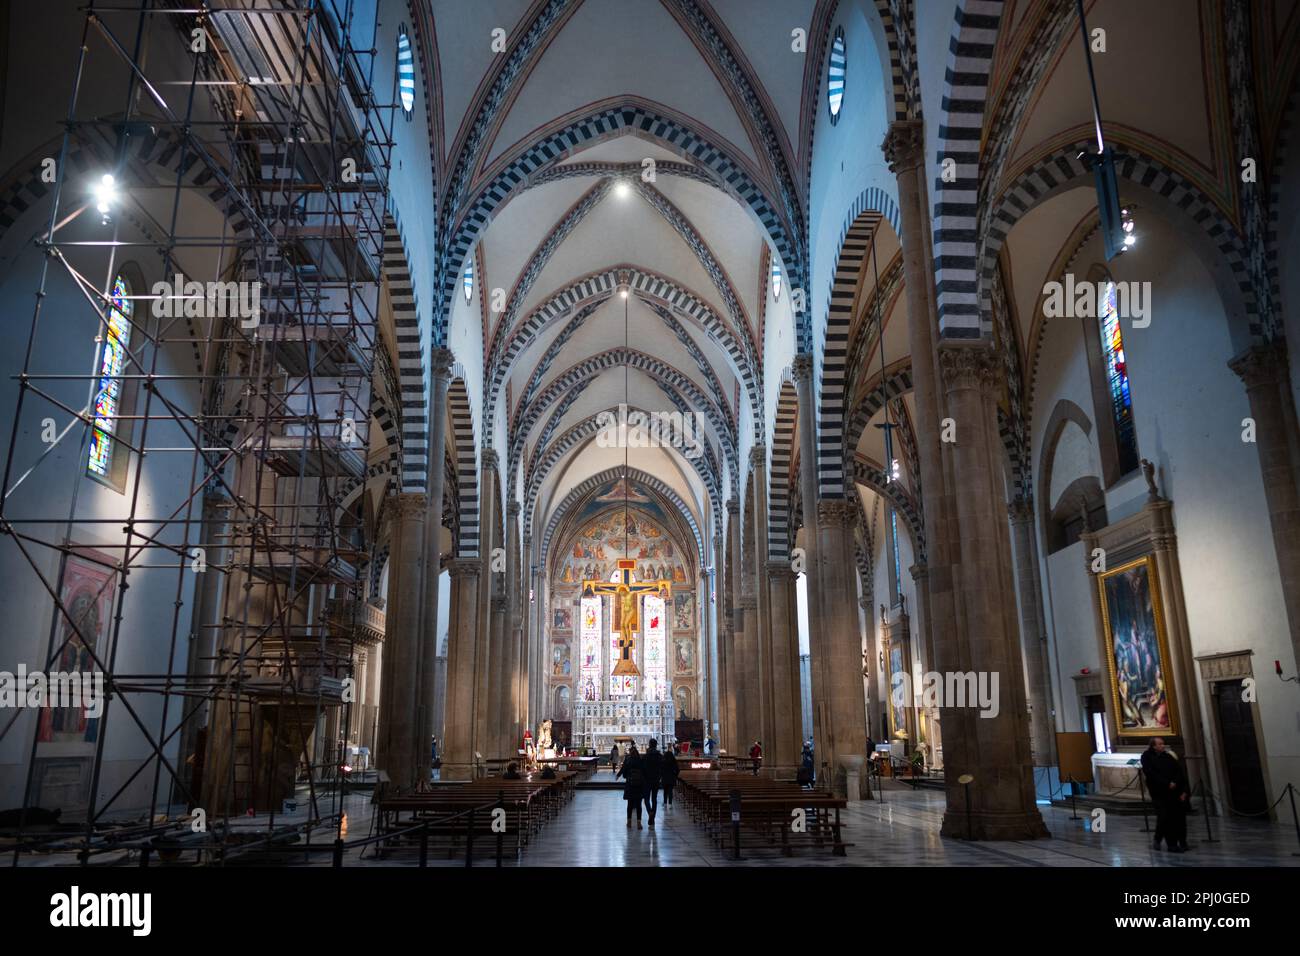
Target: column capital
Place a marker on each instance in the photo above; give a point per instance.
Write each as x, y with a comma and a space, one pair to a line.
733, 505
465, 567
758, 455
919, 571
440, 363
488, 458
500, 604
1262, 364
803, 368
969, 365
411, 505
513, 509
904, 145
779, 569
1020, 509
834, 512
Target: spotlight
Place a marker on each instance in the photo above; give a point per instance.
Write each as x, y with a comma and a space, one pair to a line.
622, 293
106, 197
895, 472
622, 190
1130, 237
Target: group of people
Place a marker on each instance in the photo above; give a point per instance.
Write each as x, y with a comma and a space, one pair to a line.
643, 775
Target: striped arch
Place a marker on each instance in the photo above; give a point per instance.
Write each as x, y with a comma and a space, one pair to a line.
412, 360
513, 173
778, 501
461, 437
581, 491
550, 455
645, 284
897, 19
866, 473
667, 375
1062, 169
898, 381
956, 203
868, 209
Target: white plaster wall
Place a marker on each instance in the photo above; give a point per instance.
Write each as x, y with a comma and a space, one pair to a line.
1188, 408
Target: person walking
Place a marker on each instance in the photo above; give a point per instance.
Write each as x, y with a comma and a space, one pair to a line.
1167, 780
633, 773
653, 764
613, 760
668, 776
805, 775
756, 754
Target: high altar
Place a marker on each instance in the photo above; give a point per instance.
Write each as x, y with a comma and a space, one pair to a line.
638, 609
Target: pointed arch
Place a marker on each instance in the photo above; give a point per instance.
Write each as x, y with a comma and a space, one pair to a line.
568, 135
461, 437
871, 206
779, 473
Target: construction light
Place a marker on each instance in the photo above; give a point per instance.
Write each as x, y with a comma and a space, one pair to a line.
106, 197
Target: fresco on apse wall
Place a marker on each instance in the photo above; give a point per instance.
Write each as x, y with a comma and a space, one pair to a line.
561, 661
683, 611
684, 655
603, 539
88, 588
562, 619
1138, 656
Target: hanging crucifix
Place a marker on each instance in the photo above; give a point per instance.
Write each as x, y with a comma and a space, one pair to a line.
626, 592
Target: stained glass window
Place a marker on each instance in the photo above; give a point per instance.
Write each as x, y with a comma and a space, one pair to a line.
405, 72
117, 338
1117, 385
898, 564
589, 648
835, 75
656, 668
467, 280
776, 279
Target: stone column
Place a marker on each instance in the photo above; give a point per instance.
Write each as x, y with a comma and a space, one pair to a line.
763, 640
484, 657
722, 627
1265, 371
426, 714
904, 150
1033, 632
870, 646
401, 678
736, 675
787, 729
205, 631
843, 714
504, 666
462, 686
519, 629
994, 747
818, 663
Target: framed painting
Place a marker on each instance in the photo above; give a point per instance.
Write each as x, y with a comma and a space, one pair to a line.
898, 702
1137, 650
87, 593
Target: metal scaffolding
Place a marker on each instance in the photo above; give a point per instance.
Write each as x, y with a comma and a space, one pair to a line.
277, 130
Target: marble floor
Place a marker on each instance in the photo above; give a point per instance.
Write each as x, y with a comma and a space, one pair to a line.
902, 830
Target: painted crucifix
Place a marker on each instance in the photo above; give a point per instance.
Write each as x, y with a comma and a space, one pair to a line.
626, 591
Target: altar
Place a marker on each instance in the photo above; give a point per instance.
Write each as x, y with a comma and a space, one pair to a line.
598, 723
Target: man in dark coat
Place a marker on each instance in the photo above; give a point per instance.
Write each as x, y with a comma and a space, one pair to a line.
653, 763
1167, 780
668, 776
633, 773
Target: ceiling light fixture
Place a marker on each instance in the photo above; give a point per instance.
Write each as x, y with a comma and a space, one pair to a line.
622, 190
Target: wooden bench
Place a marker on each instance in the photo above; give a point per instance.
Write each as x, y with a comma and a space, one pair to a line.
767, 811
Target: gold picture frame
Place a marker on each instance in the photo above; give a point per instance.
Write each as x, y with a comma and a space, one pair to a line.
1142, 693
